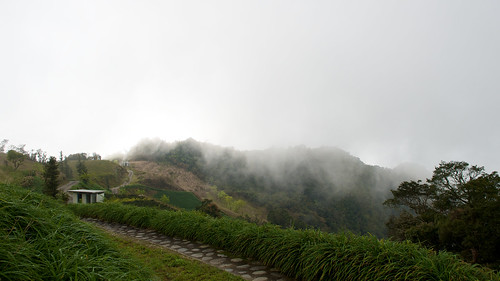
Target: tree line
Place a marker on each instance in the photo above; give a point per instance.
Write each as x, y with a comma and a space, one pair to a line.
457, 210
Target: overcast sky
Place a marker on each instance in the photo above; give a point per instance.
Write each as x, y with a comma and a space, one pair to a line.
387, 81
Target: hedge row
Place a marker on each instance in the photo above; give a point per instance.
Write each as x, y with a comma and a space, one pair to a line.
301, 254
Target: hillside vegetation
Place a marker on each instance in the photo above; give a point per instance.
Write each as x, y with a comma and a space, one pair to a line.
167, 178
302, 254
41, 240
182, 199
103, 174
28, 174
325, 188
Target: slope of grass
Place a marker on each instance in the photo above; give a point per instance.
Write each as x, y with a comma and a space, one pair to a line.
29, 174
303, 254
41, 240
103, 173
182, 199
171, 266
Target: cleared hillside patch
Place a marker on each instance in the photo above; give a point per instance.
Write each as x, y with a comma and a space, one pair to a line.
302, 254
170, 177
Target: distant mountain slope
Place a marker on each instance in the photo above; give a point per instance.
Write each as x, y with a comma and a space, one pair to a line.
171, 177
168, 176
326, 188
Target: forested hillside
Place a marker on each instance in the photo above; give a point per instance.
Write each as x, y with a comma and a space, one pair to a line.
325, 188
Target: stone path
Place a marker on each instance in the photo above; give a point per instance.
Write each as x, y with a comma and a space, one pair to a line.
247, 269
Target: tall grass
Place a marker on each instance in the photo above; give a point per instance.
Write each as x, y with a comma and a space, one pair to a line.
41, 240
302, 254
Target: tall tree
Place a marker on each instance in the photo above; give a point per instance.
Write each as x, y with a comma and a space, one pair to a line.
458, 209
51, 177
17, 158
82, 172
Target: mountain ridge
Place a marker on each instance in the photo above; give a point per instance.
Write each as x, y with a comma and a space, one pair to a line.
325, 188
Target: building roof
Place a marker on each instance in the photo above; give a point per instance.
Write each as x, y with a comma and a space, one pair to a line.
86, 191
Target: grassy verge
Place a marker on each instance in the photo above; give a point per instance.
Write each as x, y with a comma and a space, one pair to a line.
302, 254
168, 265
42, 240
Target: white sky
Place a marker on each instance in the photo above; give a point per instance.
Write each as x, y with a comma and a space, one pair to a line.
388, 81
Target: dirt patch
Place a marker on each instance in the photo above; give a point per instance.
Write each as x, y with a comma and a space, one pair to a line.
168, 177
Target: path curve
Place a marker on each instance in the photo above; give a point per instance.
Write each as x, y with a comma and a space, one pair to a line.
129, 180
247, 269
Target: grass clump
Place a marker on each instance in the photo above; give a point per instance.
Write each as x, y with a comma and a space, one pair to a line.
302, 254
41, 240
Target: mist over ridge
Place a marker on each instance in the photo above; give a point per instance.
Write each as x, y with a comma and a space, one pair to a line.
324, 187
273, 159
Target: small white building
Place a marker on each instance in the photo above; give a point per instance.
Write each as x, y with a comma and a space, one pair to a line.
86, 196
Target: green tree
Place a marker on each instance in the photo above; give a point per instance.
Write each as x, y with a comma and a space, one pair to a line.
165, 199
457, 210
51, 177
208, 207
17, 158
280, 216
83, 173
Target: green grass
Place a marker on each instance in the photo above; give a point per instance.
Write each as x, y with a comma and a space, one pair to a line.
182, 199
42, 240
29, 174
168, 265
302, 254
103, 173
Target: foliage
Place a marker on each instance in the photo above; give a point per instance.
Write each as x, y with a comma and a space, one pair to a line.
51, 177
165, 199
182, 199
64, 167
325, 188
17, 158
138, 200
41, 240
77, 156
186, 155
210, 208
458, 209
33, 182
229, 202
104, 173
301, 254
83, 172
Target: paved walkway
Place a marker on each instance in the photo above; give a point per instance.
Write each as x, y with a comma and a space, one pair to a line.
249, 270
